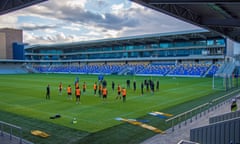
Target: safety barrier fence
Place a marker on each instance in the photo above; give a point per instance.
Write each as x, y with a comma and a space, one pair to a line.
10, 128
200, 110
184, 116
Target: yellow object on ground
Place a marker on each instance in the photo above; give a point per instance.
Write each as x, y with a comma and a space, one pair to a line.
165, 114
39, 133
143, 125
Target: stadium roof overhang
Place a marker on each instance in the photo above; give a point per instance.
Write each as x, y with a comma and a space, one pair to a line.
135, 40
218, 15
7, 6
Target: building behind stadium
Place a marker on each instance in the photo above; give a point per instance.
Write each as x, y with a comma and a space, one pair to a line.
9, 38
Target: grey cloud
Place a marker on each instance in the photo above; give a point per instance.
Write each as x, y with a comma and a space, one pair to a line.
110, 21
152, 21
36, 27
78, 15
82, 16
116, 23
132, 18
132, 21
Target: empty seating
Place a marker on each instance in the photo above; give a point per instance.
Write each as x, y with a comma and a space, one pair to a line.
213, 69
156, 69
10, 68
192, 70
189, 70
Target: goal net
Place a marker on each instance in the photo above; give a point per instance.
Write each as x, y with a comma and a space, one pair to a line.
222, 82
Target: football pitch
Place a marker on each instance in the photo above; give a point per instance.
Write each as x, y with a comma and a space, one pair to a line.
22, 102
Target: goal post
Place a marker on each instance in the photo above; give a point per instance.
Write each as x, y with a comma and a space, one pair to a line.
218, 82
222, 82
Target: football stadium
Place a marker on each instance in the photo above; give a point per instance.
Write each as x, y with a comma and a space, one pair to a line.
152, 88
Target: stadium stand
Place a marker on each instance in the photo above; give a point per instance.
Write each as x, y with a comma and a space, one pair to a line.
212, 70
194, 70
83, 69
188, 70
226, 68
154, 69
185, 53
12, 68
41, 68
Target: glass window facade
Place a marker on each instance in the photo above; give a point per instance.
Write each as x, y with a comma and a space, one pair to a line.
134, 50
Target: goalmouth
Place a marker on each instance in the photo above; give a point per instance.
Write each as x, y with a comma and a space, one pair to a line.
224, 81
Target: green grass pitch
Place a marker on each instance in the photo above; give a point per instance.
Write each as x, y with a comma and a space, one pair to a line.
22, 102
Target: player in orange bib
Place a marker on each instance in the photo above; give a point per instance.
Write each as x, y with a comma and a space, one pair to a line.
78, 94
95, 88
100, 90
104, 93
69, 92
118, 92
76, 85
124, 94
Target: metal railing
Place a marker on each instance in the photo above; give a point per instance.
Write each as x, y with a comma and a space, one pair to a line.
215, 103
5, 125
185, 115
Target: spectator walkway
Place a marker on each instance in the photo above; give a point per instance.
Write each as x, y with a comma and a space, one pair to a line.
182, 130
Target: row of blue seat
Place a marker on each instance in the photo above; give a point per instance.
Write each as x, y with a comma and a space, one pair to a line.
182, 69
199, 70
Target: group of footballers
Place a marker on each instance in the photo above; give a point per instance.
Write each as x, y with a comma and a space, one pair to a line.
101, 87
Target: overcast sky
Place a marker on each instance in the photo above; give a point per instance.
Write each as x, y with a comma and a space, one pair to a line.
60, 21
